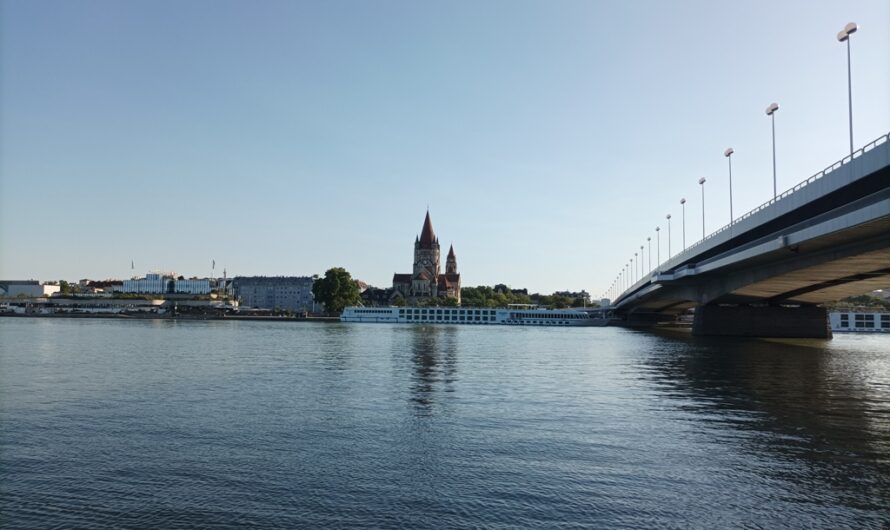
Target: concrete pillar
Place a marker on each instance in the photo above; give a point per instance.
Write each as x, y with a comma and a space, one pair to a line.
762, 321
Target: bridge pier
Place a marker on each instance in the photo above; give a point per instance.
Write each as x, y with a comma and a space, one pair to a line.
762, 321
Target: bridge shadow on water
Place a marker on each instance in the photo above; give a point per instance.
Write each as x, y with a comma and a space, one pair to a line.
822, 408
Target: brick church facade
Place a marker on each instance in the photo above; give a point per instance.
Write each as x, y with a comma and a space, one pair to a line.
427, 281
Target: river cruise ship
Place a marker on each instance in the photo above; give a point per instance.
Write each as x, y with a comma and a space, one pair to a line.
861, 321
511, 316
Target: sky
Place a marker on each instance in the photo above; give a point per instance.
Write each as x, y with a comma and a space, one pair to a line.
547, 139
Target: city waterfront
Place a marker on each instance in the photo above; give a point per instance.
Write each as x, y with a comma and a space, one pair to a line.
199, 424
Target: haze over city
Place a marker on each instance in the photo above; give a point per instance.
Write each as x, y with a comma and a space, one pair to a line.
285, 138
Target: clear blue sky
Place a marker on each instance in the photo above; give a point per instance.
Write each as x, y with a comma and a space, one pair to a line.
548, 138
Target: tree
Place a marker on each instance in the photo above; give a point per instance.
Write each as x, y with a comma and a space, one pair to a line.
336, 290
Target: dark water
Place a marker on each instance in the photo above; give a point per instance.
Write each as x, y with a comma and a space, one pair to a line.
252, 424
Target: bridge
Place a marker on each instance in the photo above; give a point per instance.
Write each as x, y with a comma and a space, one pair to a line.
766, 272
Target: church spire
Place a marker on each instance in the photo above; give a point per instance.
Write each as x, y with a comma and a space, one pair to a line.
427, 236
451, 262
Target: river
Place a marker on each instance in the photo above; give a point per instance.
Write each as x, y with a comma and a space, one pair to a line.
166, 424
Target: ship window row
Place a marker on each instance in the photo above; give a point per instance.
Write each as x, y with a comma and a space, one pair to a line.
450, 318
466, 312
539, 316
373, 311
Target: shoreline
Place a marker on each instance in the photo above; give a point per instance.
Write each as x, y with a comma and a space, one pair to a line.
171, 317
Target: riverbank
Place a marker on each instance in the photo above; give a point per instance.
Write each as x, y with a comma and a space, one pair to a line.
171, 317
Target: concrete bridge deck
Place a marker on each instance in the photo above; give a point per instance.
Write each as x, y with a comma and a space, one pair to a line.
824, 239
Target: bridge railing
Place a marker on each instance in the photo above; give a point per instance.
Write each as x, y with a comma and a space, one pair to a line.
691, 248
856, 154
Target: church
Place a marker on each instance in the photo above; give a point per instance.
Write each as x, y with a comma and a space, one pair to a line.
427, 281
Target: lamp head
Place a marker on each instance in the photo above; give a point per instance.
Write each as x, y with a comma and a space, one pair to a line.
683, 201
668, 217
848, 30
728, 151
702, 180
773, 107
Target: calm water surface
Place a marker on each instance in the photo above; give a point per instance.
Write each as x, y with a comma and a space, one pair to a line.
262, 424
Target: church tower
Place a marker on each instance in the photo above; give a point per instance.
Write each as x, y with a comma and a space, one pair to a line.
451, 262
427, 280
426, 252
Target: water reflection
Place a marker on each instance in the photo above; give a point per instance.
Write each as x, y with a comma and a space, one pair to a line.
434, 361
800, 402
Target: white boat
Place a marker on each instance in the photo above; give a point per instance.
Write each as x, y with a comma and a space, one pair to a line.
511, 316
860, 321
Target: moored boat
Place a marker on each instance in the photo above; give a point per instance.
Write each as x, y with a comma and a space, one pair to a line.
510, 316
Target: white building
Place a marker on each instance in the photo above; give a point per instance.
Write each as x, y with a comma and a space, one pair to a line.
193, 286
153, 283
27, 288
165, 283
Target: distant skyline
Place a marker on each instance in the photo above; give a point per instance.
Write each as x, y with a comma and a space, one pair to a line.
284, 138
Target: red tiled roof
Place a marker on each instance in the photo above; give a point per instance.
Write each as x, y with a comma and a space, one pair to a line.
423, 275
401, 278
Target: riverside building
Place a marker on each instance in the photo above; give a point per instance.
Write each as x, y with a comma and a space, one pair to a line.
290, 293
165, 283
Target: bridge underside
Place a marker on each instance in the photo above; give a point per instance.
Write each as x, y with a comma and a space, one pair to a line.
774, 293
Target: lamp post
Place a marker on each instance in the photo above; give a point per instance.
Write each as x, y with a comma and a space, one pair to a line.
649, 242
728, 154
683, 204
702, 181
658, 246
642, 259
633, 263
668, 217
844, 36
771, 112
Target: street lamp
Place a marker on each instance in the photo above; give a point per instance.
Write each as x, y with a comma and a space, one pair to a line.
641, 261
669, 235
683, 204
844, 36
702, 182
658, 246
771, 112
649, 242
633, 263
728, 154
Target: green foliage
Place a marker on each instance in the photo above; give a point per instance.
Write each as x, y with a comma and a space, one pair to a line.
449, 302
336, 290
865, 301
484, 296
501, 296
65, 287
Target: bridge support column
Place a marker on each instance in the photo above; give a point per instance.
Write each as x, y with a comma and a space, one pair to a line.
763, 321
